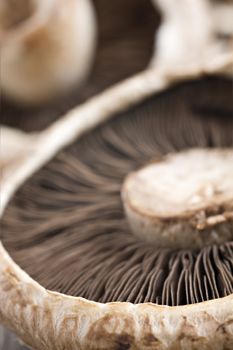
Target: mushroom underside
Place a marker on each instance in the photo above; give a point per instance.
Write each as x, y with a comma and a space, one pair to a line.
67, 228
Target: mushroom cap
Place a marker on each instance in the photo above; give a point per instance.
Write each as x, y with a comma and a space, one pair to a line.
49, 320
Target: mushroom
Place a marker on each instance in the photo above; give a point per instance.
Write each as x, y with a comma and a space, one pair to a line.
133, 48
46, 47
44, 319
15, 144
192, 33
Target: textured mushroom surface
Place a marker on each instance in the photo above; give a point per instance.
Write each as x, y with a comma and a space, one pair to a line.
183, 201
66, 226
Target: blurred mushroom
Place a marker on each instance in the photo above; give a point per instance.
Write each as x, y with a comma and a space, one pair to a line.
193, 33
47, 46
15, 145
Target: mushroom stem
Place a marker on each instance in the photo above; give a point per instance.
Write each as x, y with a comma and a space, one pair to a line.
183, 201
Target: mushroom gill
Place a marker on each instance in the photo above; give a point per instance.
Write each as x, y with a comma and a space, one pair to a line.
67, 227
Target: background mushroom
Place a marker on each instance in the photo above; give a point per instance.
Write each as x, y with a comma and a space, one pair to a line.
46, 47
192, 33
125, 34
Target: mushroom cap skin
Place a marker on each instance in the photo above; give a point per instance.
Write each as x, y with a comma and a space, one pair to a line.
49, 320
